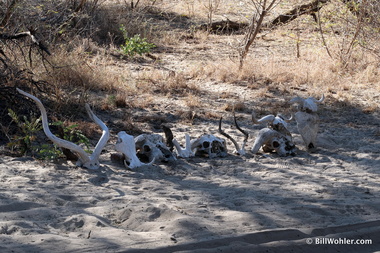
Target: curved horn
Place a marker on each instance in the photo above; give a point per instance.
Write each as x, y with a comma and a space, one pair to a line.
322, 99
284, 119
269, 118
82, 155
227, 135
103, 139
265, 119
240, 151
246, 135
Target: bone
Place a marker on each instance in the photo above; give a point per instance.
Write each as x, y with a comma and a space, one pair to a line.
308, 125
271, 140
184, 152
171, 143
238, 150
278, 123
89, 162
309, 104
126, 144
153, 147
210, 145
308, 120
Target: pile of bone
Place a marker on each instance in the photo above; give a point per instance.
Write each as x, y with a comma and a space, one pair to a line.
275, 137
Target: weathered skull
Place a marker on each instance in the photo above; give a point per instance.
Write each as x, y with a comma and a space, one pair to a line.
309, 104
308, 124
126, 145
210, 145
278, 123
271, 140
307, 119
152, 146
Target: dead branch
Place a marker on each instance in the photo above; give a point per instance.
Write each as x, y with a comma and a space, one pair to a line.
224, 26
308, 9
8, 13
254, 28
30, 33
311, 8
80, 6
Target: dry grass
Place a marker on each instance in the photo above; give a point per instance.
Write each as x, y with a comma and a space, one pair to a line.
91, 69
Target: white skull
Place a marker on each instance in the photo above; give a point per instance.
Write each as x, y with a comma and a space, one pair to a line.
210, 145
152, 146
126, 145
271, 140
308, 124
278, 123
309, 104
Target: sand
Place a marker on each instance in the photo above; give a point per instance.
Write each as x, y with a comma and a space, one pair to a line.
261, 203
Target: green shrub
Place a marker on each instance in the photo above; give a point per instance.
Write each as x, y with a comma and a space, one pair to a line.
29, 129
135, 45
26, 140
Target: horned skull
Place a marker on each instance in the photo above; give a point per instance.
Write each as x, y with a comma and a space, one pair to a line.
126, 144
309, 104
210, 145
308, 125
152, 146
273, 141
278, 123
307, 119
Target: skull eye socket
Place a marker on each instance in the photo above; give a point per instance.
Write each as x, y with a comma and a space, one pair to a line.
275, 144
146, 148
206, 144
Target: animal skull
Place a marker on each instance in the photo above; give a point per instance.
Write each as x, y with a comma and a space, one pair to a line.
271, 140
152, 146
277, 123
309, 104
126, 144
307, 119
308, 125
210, 145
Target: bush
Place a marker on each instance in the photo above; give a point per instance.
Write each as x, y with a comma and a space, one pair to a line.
135, 45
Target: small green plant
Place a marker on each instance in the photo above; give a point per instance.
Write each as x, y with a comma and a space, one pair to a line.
29, 129
49, 152
25, 140
135, 45
70, 133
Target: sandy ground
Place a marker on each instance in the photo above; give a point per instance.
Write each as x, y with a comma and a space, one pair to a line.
257, 203
261, 203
